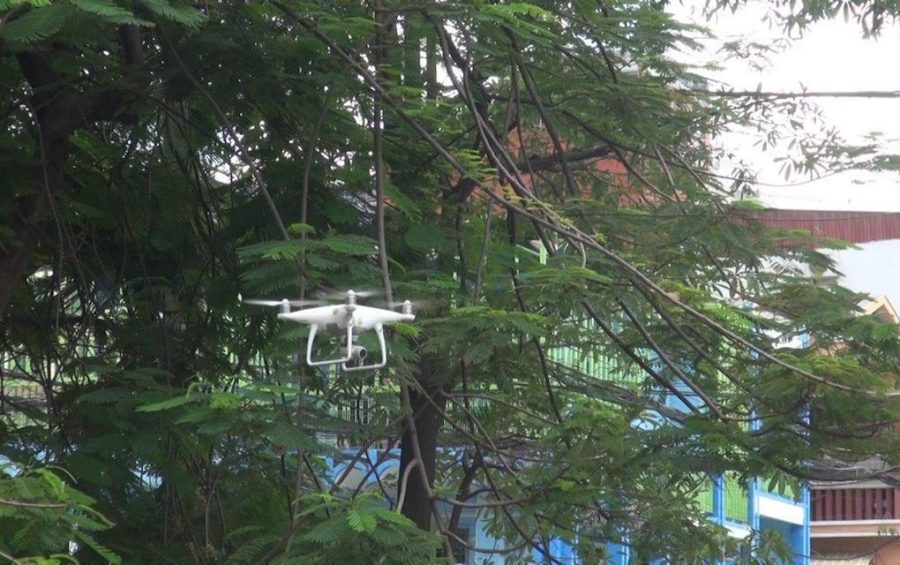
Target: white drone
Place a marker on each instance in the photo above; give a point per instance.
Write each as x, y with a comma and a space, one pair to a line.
350, 316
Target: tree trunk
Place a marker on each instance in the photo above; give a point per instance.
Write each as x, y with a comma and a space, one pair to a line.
58, 111
14, 264
416, 505
28, 212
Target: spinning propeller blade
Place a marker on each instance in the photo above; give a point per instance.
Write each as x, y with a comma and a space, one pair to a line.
285, 304
342, 294
296, 302
412, 305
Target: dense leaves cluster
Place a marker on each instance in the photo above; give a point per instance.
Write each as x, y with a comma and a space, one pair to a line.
539, 174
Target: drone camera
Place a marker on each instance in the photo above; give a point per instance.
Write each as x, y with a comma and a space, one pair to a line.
358, 353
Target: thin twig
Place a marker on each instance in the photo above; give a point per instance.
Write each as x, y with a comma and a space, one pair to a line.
377, 153
20, 504
403, 481
634, 274
417, 456
10, 558
229, 129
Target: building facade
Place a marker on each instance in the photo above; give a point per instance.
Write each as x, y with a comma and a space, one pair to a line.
855, 523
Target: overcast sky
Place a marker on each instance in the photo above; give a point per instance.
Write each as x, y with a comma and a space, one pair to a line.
831, 56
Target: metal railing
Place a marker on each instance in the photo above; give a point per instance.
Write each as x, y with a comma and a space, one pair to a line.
855, 504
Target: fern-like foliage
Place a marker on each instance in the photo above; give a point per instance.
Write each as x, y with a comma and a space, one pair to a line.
177, 12
41, 515
46, 18
37, 24
109, 11
147, 148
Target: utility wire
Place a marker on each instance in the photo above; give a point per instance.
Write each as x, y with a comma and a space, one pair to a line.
770, 95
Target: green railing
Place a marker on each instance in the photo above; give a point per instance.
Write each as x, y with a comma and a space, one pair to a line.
736, 500
704, 497
588, 361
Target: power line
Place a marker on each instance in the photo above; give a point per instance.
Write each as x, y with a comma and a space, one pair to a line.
770, 95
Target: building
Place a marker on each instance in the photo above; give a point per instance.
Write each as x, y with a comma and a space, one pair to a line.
742, 511
855, 522
845, 523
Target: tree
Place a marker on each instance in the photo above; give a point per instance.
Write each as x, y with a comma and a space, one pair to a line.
167, 159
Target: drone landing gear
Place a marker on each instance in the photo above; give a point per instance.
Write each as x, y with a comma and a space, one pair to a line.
352, 351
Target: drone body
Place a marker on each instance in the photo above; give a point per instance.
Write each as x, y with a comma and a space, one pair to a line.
342, 315
351, 317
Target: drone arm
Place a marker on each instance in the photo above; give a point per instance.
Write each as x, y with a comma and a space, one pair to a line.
313, 329
379, 331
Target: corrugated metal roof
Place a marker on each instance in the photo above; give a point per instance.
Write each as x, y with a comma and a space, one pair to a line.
855, 227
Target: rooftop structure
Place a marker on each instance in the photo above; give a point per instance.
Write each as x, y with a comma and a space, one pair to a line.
854, 523
854, 227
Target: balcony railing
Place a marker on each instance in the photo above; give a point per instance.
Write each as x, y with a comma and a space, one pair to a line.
735, 499
736, 508
855, 504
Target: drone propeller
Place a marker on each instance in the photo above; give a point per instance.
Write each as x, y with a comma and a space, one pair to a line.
345, 294
296, 303
285, 303
409, 306
349, 299
384, 303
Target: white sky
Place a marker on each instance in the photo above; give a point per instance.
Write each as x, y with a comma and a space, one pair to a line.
831, 56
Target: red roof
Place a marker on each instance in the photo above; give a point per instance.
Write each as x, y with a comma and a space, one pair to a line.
855, 227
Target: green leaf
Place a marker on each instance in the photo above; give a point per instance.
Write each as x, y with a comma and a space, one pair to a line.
166, 404
403, 203
425, 237
225, 401
101, 549
300, 228
105, 395
184, 15
361, 521
57, 486
110, 11
195, 415
286, 434
350, 244
326, 532
394, 517
36, 25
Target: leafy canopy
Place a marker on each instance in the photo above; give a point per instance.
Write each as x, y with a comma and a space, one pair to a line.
600, 325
